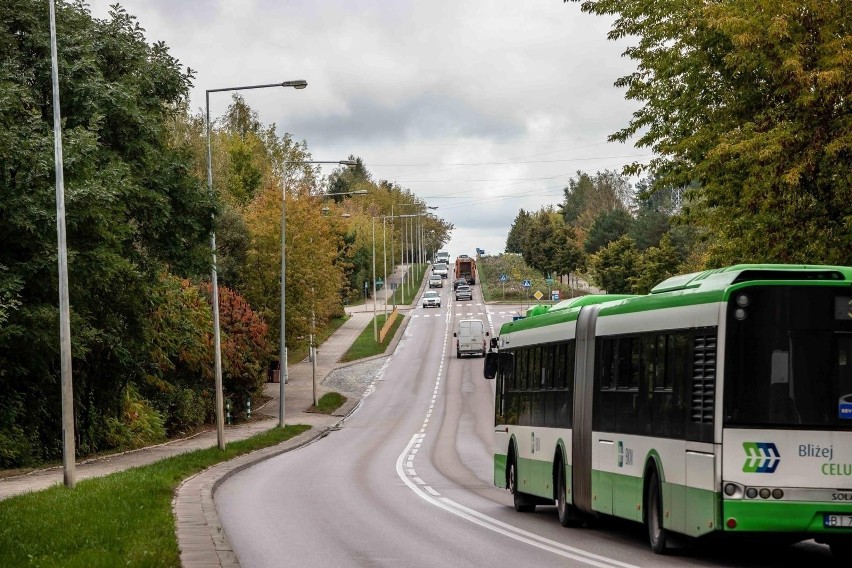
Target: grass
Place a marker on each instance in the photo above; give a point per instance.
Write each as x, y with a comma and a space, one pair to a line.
123, 519
301, 352
328, 403
366, 346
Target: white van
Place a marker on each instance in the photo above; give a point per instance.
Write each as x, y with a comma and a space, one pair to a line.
470, 338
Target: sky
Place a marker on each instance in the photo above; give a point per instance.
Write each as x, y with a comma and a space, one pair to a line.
479, 107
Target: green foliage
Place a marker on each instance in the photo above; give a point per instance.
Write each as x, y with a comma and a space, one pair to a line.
750, 99
656, 264
137, 426
347, 179
232, 244
520, 226
491, 267
608, 226
132, 208
549, 245
648, 228
615, 264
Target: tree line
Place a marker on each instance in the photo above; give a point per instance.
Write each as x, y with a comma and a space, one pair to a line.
746, 105
139, 217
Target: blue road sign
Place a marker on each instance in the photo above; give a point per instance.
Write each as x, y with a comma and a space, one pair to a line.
527, 284
504, 278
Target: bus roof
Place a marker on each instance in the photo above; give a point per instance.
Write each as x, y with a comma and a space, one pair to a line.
687, 289
721, 278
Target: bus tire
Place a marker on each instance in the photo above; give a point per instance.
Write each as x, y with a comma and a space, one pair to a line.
523, 503
568, 514
654, 515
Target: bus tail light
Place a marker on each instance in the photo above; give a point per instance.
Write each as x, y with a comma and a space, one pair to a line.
731, 523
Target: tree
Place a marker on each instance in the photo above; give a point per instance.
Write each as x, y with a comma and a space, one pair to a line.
347, 179
615, 264
514, 242
750, 99
656, 264
133, 207
549, 245
607, 227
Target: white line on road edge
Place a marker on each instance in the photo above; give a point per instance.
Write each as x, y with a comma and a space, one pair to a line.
430, 495
433, 497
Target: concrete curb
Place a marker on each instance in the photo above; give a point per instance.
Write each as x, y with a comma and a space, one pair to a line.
202, 540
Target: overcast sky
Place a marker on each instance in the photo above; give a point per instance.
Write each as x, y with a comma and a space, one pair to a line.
480, 107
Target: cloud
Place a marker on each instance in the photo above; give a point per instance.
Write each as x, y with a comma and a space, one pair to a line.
480, 107
424, 117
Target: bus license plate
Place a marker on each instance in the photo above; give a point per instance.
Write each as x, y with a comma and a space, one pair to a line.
837, 521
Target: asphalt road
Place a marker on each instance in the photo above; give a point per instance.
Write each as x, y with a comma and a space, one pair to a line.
407, 481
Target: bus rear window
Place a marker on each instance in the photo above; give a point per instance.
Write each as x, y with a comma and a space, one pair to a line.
789, 359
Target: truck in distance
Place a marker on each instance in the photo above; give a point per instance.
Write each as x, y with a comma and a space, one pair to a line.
466, 268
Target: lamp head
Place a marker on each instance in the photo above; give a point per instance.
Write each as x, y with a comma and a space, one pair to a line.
300, 84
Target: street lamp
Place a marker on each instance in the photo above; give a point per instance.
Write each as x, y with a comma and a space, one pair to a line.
217, 345
282, 347
403, 252
67, 390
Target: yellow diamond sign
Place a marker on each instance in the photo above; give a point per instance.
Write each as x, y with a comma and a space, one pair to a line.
538, 295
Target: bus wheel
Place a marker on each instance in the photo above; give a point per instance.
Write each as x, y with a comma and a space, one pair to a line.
567, 513
654, 515
522, 501
841, 548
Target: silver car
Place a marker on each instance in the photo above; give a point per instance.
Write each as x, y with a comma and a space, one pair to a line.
431, 299
435, 281
463, 292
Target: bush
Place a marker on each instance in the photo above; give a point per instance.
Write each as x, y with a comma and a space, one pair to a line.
15, 448
139, 424
186, 410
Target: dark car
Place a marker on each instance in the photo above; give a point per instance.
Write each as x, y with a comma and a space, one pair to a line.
463, 292
459, 282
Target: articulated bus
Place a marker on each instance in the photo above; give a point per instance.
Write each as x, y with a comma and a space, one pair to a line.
720, 403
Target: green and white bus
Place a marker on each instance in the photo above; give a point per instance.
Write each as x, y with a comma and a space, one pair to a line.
720, 403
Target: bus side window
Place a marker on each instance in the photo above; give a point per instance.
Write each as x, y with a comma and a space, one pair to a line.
606, 364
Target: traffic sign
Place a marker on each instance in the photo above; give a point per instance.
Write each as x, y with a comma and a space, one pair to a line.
538, 295
554, 295
504, 278
527, 284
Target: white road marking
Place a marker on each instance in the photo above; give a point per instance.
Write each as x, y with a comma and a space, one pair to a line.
433, 497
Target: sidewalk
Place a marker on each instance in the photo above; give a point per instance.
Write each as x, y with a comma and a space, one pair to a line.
200, 535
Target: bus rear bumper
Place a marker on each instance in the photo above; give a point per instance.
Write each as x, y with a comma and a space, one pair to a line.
811, 518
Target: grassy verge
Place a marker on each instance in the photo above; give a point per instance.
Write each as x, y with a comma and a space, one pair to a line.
412, 285
328, 403
299, 353
366, 346
123, 519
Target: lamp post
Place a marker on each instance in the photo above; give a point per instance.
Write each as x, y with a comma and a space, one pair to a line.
375, 323
67, 390
403, 253
217, 346
282, 346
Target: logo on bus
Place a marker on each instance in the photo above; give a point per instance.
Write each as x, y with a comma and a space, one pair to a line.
625, 455
761, 457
